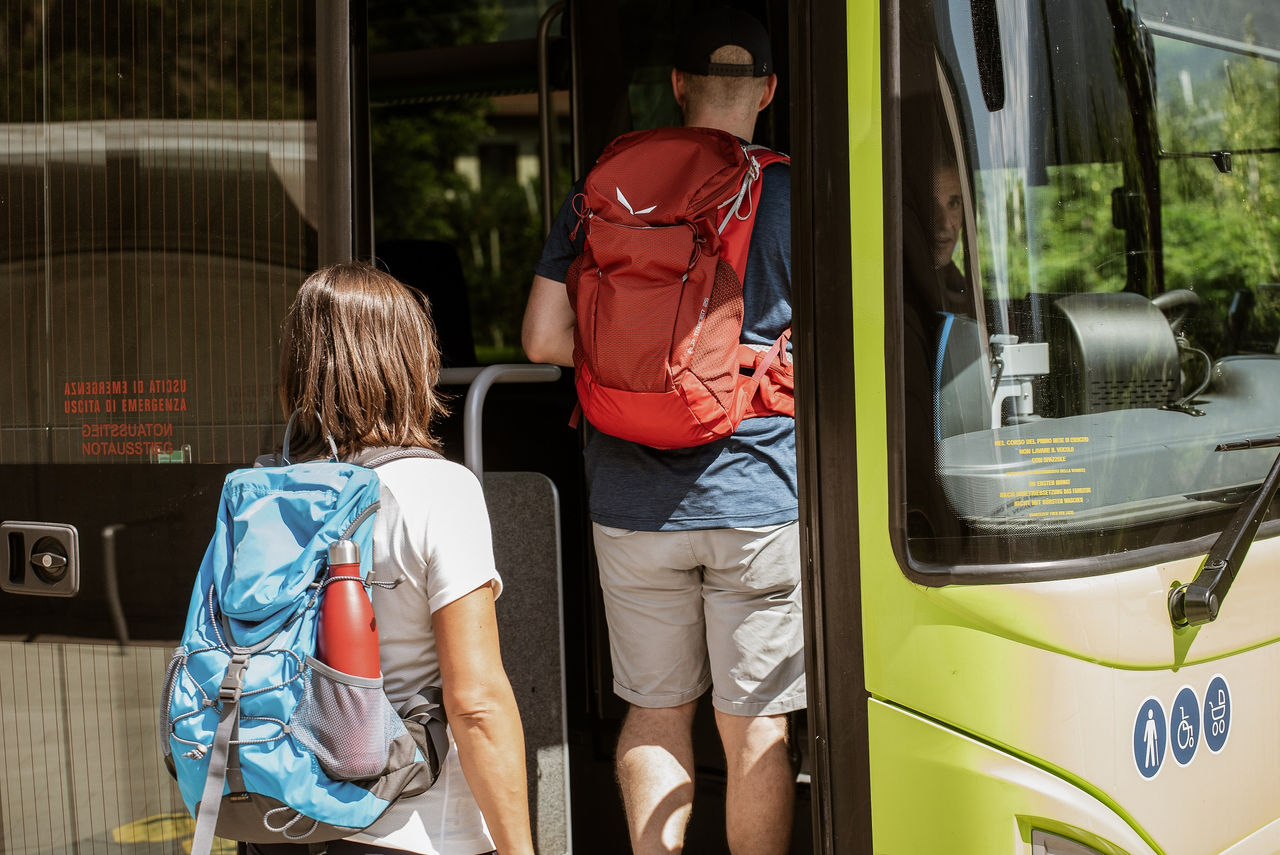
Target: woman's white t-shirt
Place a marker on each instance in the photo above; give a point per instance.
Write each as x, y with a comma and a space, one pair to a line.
433, 531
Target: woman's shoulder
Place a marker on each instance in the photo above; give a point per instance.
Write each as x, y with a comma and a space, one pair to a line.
431, 482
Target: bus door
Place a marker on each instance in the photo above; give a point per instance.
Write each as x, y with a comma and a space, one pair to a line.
161, 167
480, 120
622, 53
1081, 325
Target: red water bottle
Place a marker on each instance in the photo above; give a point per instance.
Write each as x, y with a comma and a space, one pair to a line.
348, 637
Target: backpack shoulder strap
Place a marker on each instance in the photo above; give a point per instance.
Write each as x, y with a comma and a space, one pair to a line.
372, 458
767, 156
735, 231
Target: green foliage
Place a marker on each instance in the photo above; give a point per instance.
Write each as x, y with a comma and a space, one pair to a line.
395, 25
1220, 232
415, 183
503, 242
419, 192
233, 59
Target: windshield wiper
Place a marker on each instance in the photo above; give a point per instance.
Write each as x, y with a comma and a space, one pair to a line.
1199, 601
1221, 159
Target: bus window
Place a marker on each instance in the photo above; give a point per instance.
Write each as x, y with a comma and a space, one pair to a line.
158, 210
1107, 317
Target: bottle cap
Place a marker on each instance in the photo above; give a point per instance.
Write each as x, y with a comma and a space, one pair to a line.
344, 552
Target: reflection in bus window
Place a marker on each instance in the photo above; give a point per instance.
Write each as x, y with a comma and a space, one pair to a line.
158, 211
1122, 250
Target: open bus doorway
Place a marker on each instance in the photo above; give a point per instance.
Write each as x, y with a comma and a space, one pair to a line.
459, 180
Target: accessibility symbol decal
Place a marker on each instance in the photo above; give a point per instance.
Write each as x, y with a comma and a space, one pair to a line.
1217, 713
1149, 738
1184, 725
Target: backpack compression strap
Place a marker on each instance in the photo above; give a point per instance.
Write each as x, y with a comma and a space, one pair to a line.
228, 720
740, 220
426, 708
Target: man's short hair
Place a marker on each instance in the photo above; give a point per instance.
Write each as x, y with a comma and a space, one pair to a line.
717, 28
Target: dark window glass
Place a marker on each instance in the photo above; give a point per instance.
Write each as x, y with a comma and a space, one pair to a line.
157, 210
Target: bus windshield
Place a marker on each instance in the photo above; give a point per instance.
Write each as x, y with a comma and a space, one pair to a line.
1091, 292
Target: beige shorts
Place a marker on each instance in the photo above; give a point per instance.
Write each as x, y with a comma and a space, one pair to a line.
717, 608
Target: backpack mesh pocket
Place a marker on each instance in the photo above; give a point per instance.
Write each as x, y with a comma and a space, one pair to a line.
346, 721
715, 359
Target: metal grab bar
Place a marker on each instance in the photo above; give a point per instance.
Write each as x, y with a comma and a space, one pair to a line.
546, 117
480, 380
111, 577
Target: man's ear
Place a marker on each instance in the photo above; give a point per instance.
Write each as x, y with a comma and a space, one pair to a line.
677, 87
770, 86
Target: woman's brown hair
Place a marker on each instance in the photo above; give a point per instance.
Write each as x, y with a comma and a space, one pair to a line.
360, 358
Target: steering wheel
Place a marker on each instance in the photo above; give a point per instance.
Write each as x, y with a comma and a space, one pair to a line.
1176, 305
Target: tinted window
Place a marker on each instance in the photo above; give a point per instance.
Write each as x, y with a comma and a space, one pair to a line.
158, 190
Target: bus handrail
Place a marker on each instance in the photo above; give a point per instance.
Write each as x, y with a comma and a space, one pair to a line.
479, 380
546, 121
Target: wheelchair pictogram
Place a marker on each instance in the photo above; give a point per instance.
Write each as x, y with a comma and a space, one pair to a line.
1186, 733
1184, 725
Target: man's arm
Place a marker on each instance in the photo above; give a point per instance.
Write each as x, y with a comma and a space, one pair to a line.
547, 332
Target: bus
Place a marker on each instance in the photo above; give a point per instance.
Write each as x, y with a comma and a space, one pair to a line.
1036, 294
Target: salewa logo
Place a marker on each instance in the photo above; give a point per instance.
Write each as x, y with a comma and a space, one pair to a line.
627, 205
697, 329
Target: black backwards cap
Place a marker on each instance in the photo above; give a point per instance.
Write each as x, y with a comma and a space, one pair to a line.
708, 32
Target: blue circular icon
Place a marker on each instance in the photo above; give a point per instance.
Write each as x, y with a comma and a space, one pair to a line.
1217, 713
1184, 725
1149, 738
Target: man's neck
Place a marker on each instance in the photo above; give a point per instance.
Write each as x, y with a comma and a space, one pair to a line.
740, 128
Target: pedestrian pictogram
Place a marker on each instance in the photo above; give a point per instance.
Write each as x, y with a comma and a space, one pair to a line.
1149, 738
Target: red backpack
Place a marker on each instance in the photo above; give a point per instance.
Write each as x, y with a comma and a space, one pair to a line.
657, 290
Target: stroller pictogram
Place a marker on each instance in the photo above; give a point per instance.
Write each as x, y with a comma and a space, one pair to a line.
1218, 714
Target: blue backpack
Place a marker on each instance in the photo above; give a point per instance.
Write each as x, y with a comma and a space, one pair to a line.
268, 744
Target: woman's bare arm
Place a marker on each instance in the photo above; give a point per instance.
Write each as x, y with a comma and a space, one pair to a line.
483, 716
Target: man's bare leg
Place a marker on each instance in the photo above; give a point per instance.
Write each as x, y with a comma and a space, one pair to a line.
655, 774
761, 790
